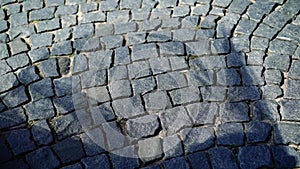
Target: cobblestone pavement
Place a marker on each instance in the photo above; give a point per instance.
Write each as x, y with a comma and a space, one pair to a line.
149, 84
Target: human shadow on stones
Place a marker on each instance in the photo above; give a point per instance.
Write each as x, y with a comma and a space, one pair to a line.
242, 132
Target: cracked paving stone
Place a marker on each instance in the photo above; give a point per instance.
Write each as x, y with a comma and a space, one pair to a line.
142, 126
157, 101
49, 68
66, 125
45, 153
97, 95
144, 51
150, 149
171, 48
93, 78
28, 75
171, 80
100, 59
234, 112
199, 158
258, 131
19, 140
41, 109
143, 85
282, 160
69, 149
174, 119
290, 110
198, 138
172, 146
8, 81
18, 61
230, 134
120, 89
128, 107
12, 117
254, 157
96, 161
222, 156
178, 162
41, 133
102, 113
14, 97
185, 95
124, 158
202, 113
292, 90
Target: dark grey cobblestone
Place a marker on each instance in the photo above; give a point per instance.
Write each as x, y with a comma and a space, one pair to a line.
8, 81
14, 97
20, 141
234, 112
199, 158
157, 101
286, 133
179, 162
150, 149
222, 157
95, 161
39, 54
258, 131
254, 157
28, 75
230, 134
50, 161
172, 146
49, 68
18, 115
41, 109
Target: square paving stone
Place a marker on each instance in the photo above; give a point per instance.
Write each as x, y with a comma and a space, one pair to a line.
171, 48
18, 61
142, 126
202, 113
171, 80
294, 70
144, 51
178, 63
292, 89
228, 77
18, 19
41, 89
128, 107
199, 138
266, 110
236, 60
275, 61
49, 68
220, 46
28, 75
63, 86
150, 149
254, 157
12, 117
273, 76
41, 109
139, 69
64, 104
234, 112
96, 161
97, 95
185, 95
69, 149
124, 158
286, 133
140, 14
39, 54
143, 85
255, 58
93, 78
18, 46
120, 89
45, 153
41, 133
100, 59
117, 73
271, 91
102, 113
14, 97
40, 40
66, 125
19, 140
158, 100
290, 109
62, 48
285, 157
172, 146
8, 81
104, 29
93, 141
230, 134
174, 119
258, 131
80, 63
198, 158
83, 31
121, 56
68, 20
222, 156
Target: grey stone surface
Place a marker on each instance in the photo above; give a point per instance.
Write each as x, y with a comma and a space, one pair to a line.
254, 157
28, 75
48, 25
286, 133
172, 146
95, 161
102, 113
49, 68
88, 7
174, 119
198, 138
66, 10
199, 158
143, 85
117, 73
222, 158
266, 110
64, 104
113, 132
63, 86
93, 17
220, 46
200, 78
139, 69
100, 59
171, 80
235, 94
271, 91
273, 76
14, 97
185, 95
258, 131
136, 38
8, 81
18, 19
20, 141
6, 119
108, 5
121, 56
171, 48
144, 51
234, 112
80, 63
159, 65
294, 70
39, 54
45, 153
34, 4
156, 101
178, 63
150, 149
230, 134
122, 28
142, 126
18, 46
41, 40
198, 48
128, 107
275, 61
213, 93
228, 77
285, 157
112, 41
83, 31
62, 48
41, 109
207, 62
18, 61
41, 14
148, 25
120, 89
290, 109
104, 29
252, 75
125, 158
118, 16
292, 89
93, 141
93, 78
202, 113
179, 162
159, 36
140, 14
69, 149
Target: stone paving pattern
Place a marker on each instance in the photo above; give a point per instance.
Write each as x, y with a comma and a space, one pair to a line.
196, 83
